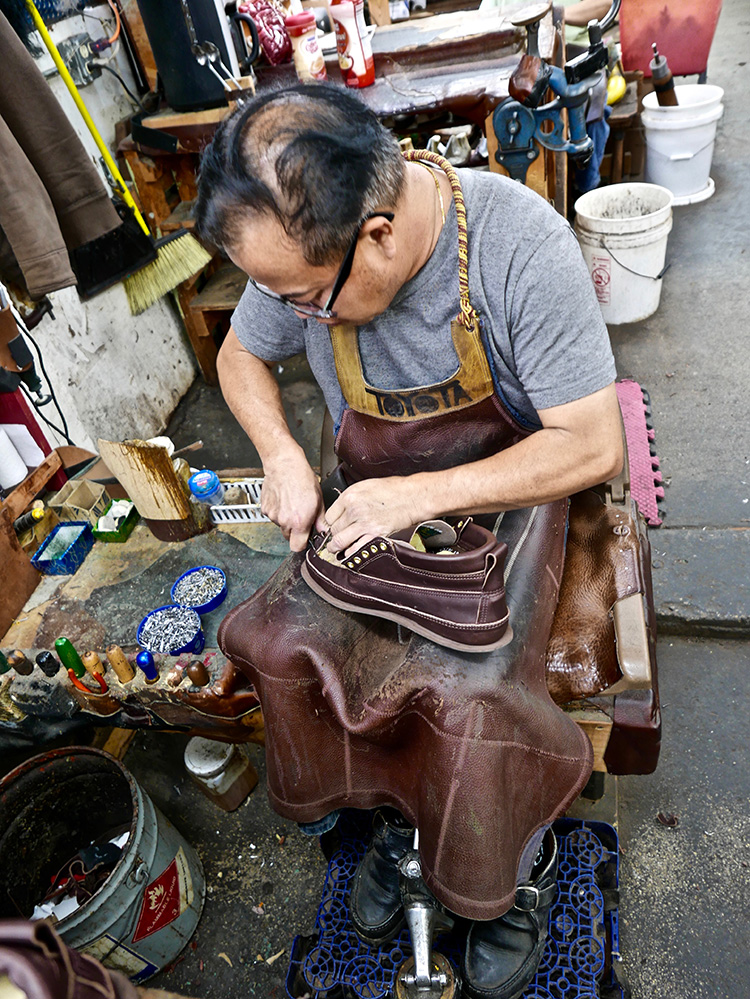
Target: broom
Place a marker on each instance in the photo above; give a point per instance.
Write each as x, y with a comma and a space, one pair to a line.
179, 255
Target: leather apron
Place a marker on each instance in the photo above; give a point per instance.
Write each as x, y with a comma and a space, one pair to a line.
359, 713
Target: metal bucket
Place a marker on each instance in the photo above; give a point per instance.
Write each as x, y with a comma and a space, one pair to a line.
145, 912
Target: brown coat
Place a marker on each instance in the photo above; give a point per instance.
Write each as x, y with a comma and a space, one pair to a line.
52, 198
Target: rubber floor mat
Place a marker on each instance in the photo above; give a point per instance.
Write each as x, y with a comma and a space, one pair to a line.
580, 961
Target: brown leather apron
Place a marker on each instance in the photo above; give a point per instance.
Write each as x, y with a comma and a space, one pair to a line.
470, 747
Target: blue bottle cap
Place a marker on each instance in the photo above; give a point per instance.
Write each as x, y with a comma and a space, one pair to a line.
203, 483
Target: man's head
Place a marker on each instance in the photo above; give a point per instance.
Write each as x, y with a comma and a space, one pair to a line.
294, 180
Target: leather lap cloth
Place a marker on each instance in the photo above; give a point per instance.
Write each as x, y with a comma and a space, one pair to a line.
469, 747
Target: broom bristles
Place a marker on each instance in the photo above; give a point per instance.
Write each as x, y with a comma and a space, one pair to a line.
176, 261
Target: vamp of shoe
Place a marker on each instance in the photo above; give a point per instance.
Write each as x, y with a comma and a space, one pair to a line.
445, 583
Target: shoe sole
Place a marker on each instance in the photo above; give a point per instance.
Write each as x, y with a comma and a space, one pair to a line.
401, 619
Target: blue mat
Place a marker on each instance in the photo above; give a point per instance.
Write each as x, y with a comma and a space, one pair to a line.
580, 959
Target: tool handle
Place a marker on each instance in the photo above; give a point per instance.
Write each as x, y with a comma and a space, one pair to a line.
68, 81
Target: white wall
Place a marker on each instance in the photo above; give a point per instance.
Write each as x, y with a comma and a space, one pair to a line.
114, 374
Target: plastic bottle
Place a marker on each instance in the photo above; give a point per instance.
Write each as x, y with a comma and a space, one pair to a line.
353, 43
308, 59
206, 487
223, 771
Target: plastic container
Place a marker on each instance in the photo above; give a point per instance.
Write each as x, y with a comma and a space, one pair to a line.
206, 487
353, 43
221, 770
207, 605
125, 530
195, 644
680, 141
148, 908
241, 513
308, 59
623, 231
64, 549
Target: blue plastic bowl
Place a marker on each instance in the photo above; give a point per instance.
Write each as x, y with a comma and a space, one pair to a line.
209, 605
196, 644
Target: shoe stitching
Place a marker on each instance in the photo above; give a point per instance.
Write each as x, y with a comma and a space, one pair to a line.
526, 531
471, 576
432, 573
413, 610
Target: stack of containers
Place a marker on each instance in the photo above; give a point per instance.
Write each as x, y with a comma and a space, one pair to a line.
197, 591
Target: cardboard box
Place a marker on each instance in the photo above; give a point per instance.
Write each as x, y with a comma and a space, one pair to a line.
80, 500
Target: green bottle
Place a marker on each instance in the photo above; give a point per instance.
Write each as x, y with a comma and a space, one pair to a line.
69, 657
4, 667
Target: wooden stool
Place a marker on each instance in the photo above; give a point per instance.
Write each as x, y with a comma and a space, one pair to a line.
207, 302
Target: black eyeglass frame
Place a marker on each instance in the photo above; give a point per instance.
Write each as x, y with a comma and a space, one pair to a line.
307, 308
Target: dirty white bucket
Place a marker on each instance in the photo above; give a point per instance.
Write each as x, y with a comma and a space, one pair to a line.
680, 141
623, 230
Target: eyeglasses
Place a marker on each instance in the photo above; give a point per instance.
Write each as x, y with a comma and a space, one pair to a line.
309, 308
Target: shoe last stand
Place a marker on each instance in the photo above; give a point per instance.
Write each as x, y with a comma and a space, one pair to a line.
426, 974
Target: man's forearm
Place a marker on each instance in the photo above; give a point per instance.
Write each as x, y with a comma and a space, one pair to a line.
252, 393
579, 445
539, 469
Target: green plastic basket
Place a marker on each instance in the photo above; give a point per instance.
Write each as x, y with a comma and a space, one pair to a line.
126, 528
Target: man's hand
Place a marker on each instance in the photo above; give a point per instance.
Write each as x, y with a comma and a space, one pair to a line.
373, 508
291, 494
291, 498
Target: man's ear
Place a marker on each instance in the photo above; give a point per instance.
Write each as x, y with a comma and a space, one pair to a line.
379, 232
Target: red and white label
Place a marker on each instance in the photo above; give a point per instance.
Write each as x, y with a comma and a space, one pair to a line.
166, 898
601, 275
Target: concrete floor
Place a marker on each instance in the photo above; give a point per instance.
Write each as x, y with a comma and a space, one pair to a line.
685, 889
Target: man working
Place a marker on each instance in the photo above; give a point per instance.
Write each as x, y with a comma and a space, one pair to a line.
461, 380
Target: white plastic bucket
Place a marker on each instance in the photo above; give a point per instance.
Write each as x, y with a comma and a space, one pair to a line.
680, 141
623, 231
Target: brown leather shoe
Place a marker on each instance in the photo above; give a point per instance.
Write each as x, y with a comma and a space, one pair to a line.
443, 583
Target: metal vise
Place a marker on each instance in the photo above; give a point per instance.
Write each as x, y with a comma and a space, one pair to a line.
521, 125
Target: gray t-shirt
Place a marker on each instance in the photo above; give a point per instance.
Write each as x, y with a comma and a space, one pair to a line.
527, 281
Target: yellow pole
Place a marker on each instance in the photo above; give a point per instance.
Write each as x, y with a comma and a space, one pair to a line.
68, 80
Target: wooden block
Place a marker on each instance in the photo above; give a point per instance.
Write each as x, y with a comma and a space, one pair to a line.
222, 291
25, 492
114, 741
137, 32
147, 473
380, 12
20, 578
598, 727
180, 218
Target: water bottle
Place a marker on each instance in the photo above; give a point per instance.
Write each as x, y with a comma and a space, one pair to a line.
206, 487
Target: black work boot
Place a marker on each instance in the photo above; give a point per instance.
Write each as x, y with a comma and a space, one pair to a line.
375, 902
502, 955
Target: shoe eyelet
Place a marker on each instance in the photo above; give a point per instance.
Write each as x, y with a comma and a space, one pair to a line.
383, 546
357, 560
374, 549
350, 565
365, 554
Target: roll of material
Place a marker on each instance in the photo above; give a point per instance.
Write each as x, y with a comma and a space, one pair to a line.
12, 466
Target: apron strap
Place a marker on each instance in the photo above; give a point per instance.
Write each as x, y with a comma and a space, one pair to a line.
468, 316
